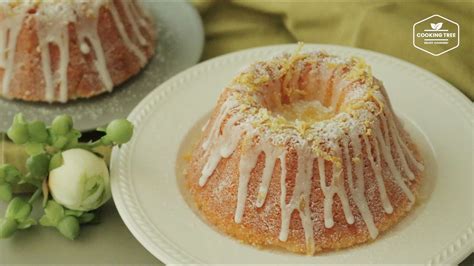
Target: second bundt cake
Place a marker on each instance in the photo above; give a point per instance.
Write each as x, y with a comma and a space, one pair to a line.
305, 153
55, 51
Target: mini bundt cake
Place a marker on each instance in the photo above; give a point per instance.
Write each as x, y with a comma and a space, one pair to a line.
304, 152
55, 51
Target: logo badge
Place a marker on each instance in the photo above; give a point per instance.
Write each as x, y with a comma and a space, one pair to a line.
436, 35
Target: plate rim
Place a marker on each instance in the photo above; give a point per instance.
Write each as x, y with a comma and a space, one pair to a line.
453, 252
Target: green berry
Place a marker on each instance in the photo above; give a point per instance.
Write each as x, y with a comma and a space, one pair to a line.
37, 132
18, 133
119, 131
8, 227
38, 165
18, 209
69, 227
62, 125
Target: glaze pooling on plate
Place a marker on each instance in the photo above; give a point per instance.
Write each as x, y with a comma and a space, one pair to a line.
53, 20
357, 123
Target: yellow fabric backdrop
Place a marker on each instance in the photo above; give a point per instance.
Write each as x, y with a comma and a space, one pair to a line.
380, 26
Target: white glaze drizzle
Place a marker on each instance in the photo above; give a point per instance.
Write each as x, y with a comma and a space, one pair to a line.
87, 30
229, 129
377, 169
46, 68
336, 188
123, 34
411, 157
52, 28
285, 215
9, 31
404, 149
271, 156
357, 186
401, 154
385, 146
138, 16
222, 146
131, 16
302, 192
247, 163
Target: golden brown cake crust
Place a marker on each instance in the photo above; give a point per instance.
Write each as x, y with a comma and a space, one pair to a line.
261, 226
83, 80
216, 199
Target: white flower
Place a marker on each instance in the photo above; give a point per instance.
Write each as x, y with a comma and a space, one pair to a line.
82, 182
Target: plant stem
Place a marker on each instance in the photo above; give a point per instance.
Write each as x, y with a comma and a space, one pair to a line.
90, 145
30, 180
35, 195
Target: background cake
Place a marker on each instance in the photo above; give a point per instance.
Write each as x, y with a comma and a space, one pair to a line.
304, 152
55, 51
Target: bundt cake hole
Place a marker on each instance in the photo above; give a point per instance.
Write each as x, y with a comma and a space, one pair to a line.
308, 111
298, 101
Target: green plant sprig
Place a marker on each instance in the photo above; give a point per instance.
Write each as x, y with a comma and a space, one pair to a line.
44, 145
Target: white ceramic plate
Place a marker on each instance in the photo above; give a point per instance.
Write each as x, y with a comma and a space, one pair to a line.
146, 172
180, 44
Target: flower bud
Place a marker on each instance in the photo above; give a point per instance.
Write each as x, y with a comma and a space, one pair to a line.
82, 182
18, 209
119, 131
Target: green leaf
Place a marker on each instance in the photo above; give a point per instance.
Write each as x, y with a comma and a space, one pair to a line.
56, 161
10, 173
73, 137
27, 223
60, 142
19, 119
101, 129
8, 227
33, 148
37, 132
18, 209
38, 165
75, 213
69, 227
46, 221
5, 192
87, 217
53, 213
18, 132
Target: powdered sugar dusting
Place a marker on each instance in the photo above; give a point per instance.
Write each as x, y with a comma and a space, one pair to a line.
250, 119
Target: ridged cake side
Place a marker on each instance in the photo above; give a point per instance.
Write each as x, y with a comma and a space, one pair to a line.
304, 186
